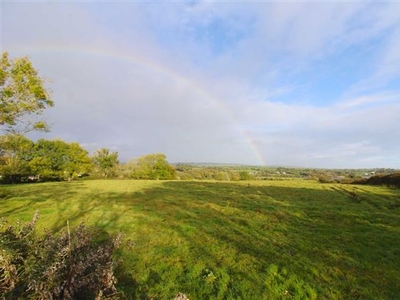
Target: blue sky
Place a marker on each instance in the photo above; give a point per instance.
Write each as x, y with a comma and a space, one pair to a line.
313, 84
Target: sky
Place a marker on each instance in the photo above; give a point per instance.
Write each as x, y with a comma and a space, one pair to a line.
304, 84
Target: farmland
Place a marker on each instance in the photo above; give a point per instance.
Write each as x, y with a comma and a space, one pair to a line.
282, 239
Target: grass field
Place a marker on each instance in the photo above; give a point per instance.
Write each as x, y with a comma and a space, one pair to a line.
289, 239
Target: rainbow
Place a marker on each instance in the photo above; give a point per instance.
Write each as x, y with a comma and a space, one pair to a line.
143, 62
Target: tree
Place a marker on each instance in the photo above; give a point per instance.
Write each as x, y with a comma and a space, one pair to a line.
105, 161
15, 153
23, 96
153, 166
48, 159
222, 176
244, 175
58, 159
77, 163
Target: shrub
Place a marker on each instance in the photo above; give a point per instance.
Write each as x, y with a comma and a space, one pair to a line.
244, 175
387, 180
70, 265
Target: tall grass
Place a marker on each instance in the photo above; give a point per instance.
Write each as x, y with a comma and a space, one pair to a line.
221, 240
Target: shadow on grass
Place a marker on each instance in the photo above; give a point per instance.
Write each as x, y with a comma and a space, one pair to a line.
221, 240
330, 244
30, 195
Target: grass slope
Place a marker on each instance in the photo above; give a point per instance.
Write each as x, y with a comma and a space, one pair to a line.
267, 240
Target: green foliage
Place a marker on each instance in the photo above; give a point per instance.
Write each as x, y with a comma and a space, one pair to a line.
324, 178
15, 153
58, 159
222, 176
153, 166
77, 161
23, 96
66, 266
105, 162
23, 160
221, 173
211, 171
244, 175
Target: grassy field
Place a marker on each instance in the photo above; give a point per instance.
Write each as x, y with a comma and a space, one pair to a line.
289, 239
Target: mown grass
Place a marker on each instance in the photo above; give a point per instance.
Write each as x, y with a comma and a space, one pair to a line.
228, 240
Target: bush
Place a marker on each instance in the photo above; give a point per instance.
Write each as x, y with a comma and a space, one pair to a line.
70, 265
325, 179
244, 175
387, 180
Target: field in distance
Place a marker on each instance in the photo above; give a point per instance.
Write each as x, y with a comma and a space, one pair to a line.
292, 239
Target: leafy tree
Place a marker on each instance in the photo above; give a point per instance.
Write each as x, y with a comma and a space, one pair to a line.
15, 153
244, 175
23, 96
58, 159
77, 160
105, 161
222, 176
48, 159
153, 166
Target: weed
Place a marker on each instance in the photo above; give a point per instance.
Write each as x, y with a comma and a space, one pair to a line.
66, 266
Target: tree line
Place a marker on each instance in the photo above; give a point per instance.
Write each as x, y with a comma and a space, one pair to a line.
22, 160
23, 99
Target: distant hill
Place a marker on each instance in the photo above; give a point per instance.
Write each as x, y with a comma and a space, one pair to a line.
388, 180
210, 164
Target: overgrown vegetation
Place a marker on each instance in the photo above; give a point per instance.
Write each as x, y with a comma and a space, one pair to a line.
69, 265
271, 239
392, 180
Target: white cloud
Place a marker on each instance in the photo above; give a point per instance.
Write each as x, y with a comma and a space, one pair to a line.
144, 111
206, 81
304, 29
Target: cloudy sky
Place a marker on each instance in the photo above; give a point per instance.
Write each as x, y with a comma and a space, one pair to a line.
313, 84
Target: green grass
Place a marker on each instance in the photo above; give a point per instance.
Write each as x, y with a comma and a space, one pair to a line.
225, 240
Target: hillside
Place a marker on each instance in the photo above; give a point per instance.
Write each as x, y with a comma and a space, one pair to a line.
387, 180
